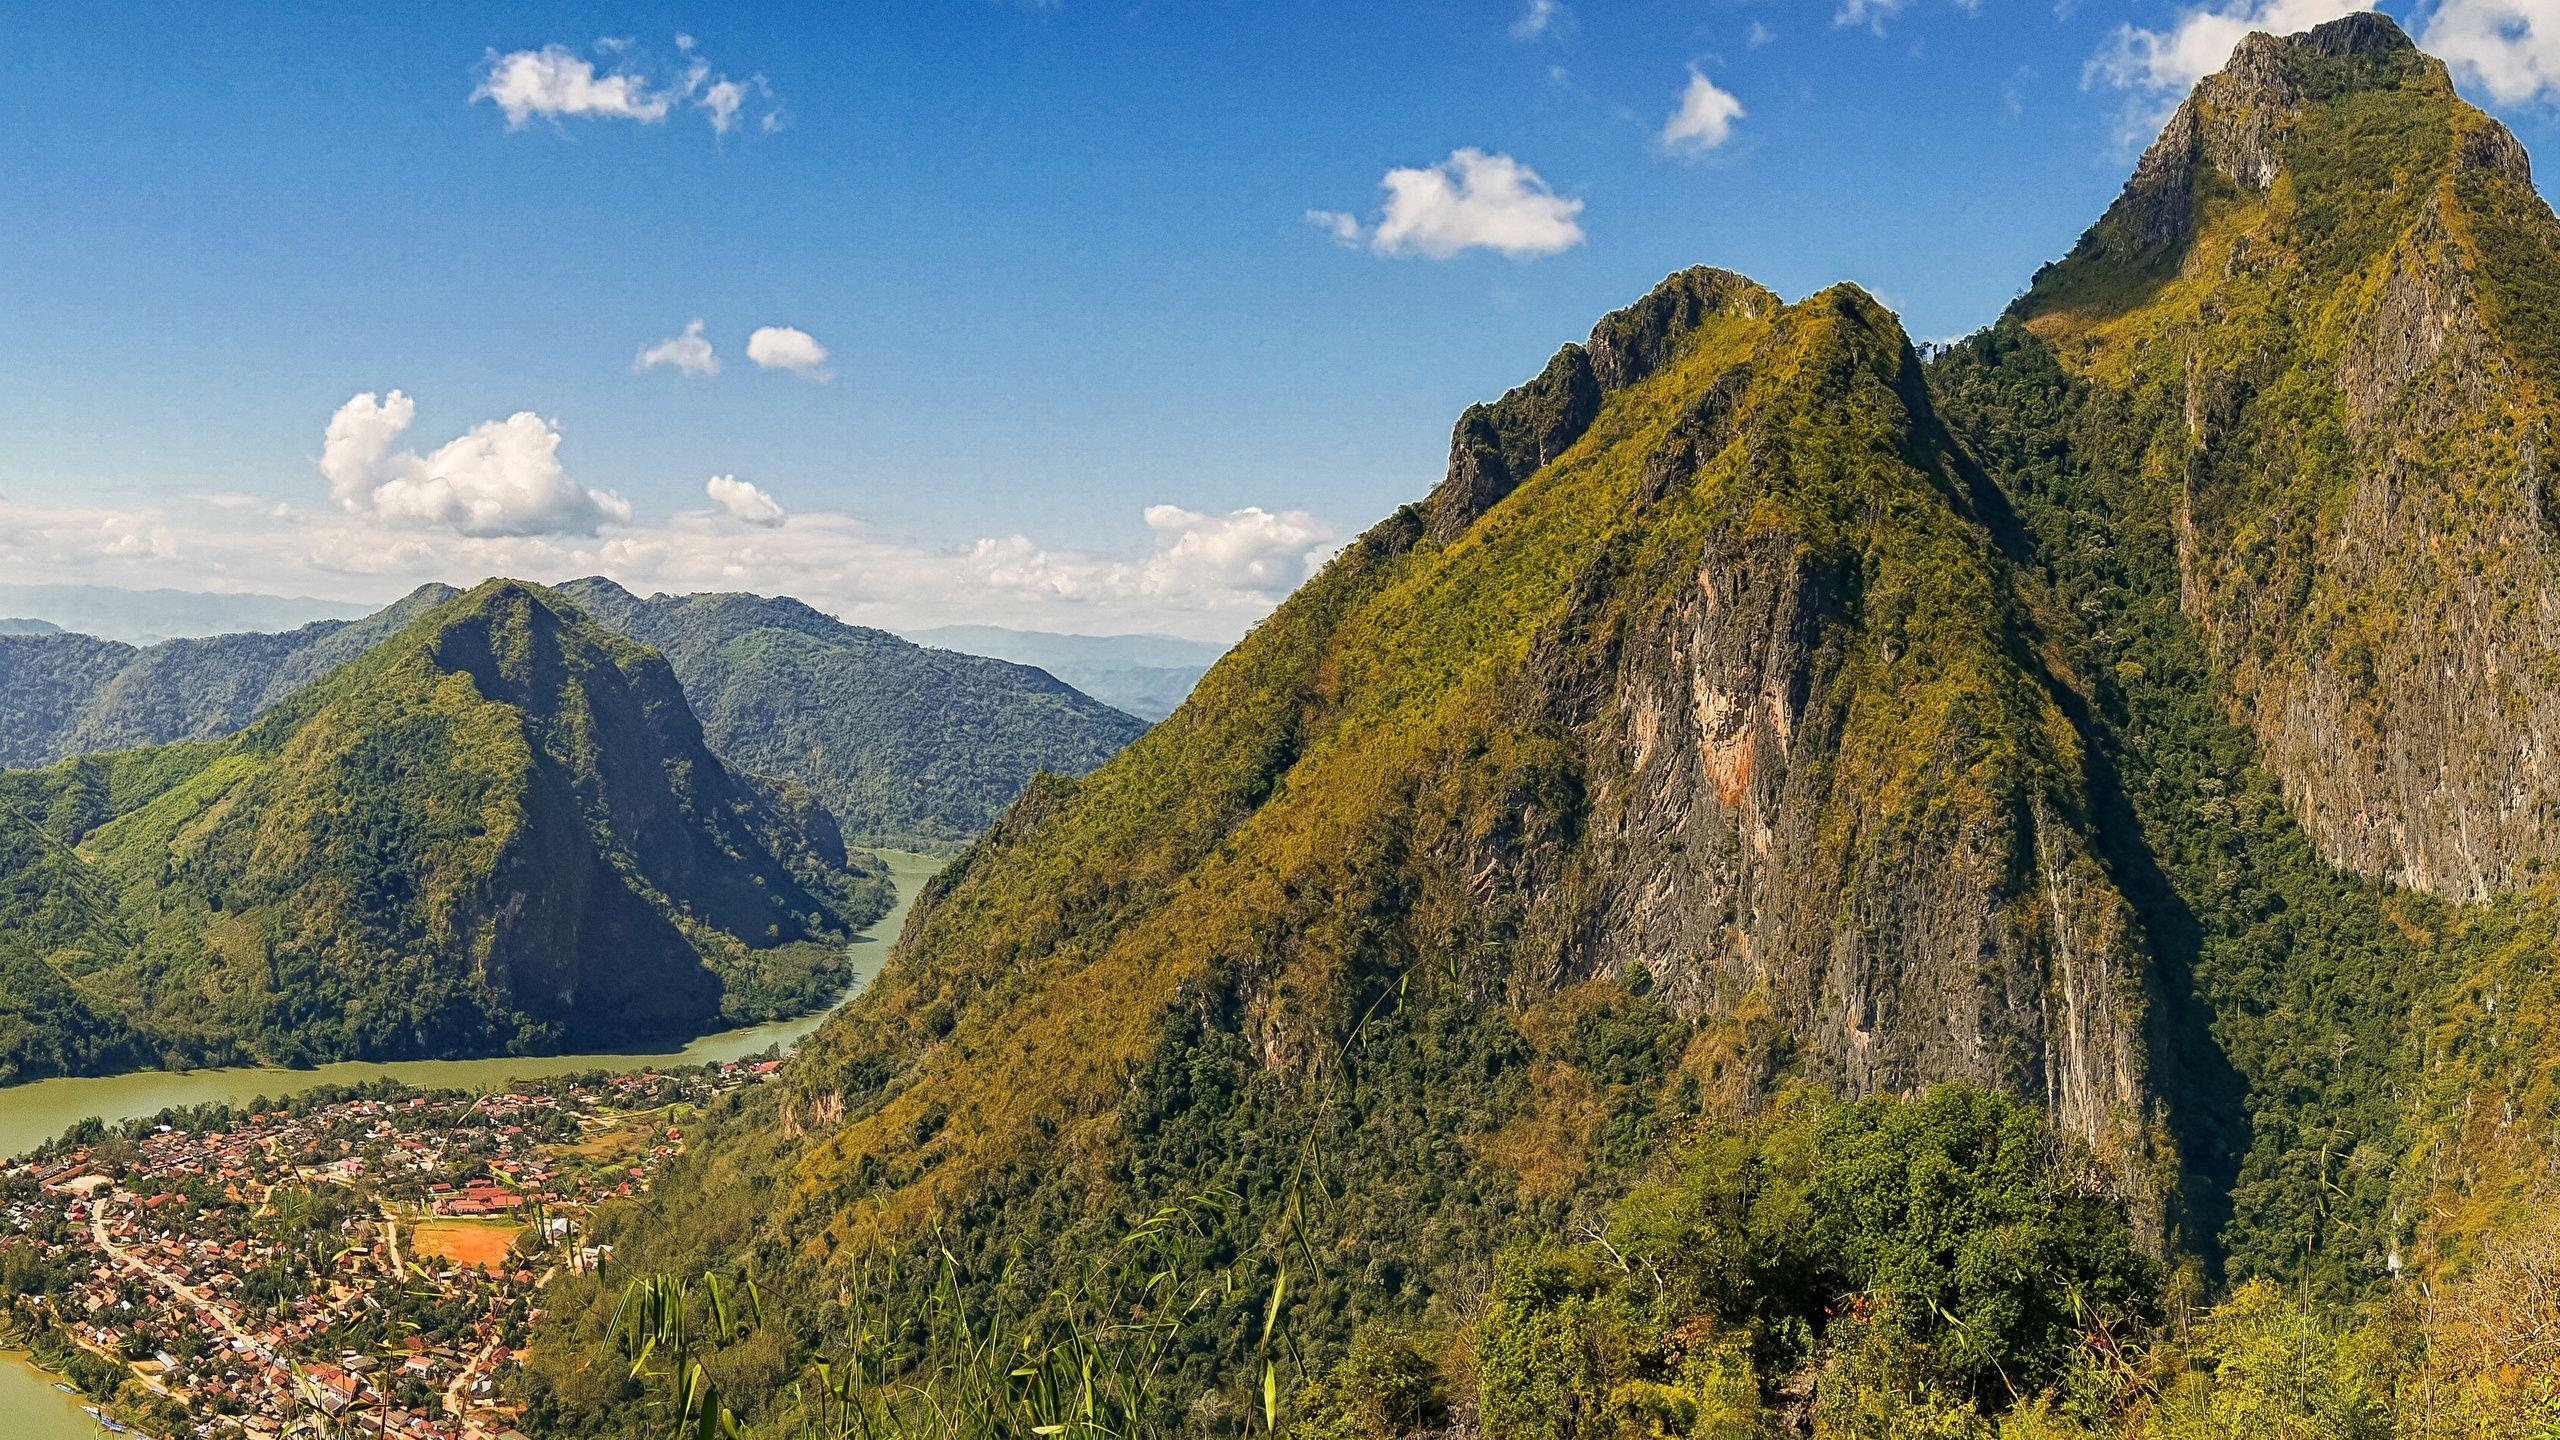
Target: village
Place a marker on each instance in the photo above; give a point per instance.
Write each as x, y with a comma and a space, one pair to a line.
358, 1263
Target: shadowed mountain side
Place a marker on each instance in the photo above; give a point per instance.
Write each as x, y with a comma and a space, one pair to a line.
497, 830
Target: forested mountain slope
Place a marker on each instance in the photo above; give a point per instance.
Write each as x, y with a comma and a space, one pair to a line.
1689, 741
56, 918
2325, 321
1701, 667
906, 745
2275, 426
497, 830
2141, 716
65, 694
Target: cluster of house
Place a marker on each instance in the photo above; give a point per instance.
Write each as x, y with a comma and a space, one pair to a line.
283, 1267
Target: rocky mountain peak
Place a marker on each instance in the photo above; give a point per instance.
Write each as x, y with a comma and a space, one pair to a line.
2368, 32
2232, 129
2327, 217
1496, 446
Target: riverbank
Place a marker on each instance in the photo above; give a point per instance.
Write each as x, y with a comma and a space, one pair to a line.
33, 1113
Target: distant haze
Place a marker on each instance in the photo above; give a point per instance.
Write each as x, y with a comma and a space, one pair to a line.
144, 617
1146, 675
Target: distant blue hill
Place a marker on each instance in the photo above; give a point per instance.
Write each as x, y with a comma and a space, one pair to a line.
146, 617
1146, 675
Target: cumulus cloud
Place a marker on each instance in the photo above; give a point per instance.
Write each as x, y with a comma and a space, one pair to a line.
1251, 551
1704, 120
1471, 201
689, 353
557, 83
2167, 63
2509, 48
744, 501
502, 477
782, 347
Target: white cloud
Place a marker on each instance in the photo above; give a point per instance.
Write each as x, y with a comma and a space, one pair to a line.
744, 501
555, 83
2167, 63
689, 353
32, 536
1541, 18
1470, 201
1704, 120
1199, 573
781, 347
502, 477
1758, 35
1249, 552
722, 99
2509, 48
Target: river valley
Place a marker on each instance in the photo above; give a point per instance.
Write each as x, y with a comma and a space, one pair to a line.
31, 1409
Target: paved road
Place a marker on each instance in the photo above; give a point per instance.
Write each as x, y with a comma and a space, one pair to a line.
165, 1280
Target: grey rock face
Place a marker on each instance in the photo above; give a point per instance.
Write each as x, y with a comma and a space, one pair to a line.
2364, 531
1983, 945
2413, 714
1732, 707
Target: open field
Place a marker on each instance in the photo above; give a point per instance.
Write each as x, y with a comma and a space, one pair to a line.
618, 1144
480, 1243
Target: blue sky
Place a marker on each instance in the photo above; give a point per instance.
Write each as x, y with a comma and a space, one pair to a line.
1089, 364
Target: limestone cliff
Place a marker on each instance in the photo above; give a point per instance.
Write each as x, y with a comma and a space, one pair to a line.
2326, 291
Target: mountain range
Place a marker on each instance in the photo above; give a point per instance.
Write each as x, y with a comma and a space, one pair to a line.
146, 617
904, 745
1801, 890
64, 694
499, 829
1146, 675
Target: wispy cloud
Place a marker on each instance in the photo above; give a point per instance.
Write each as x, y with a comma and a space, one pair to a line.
1870, 14
687, 353
1540, 19
1202, 573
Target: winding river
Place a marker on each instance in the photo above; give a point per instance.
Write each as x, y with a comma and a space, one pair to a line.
34, 1113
